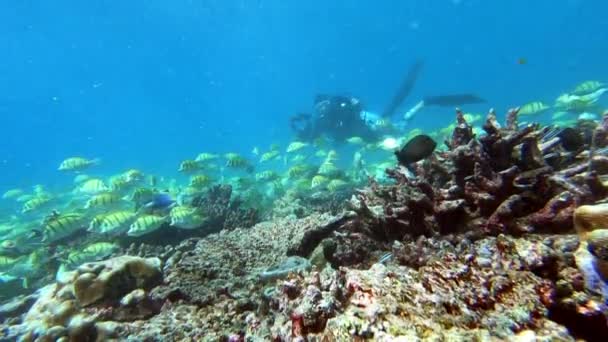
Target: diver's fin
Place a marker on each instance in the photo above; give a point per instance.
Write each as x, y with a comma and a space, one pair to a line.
452, 100
404, 90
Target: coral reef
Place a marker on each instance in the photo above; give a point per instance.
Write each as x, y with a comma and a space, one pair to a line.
511, 180
223, 211
481, 246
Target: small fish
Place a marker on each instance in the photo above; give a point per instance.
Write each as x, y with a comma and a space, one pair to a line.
269, 155
62, 226
587, 87
6, 262
533, 108
141, 196
133, 175
336, 185
103, 200
12, 194
522, 61
119, 183
204, 157
235, 161
35, 204
189, 166
384, 258
328, 168
418, 148
186, 218
92, 187
93, 252
116, 222
296, 146
160, 201
297, 171
267, 176
95, 224
146, 224
200, 181
298, 158
318, 181
77, 164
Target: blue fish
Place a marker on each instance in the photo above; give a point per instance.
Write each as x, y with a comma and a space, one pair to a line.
160, 200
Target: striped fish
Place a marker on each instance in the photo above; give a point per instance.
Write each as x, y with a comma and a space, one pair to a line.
103, 200
117, 222
587, 87
77, 164
34, 204
533, 108
93, 187
189, 166
7, 262
95, 224
186, 217
200, 181
62, 226
92, 252
146, 224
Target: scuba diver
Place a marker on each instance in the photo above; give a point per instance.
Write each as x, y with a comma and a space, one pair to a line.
340, 117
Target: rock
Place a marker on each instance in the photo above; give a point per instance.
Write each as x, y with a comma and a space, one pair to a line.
133, 298
116, 278
67, 310
17, 306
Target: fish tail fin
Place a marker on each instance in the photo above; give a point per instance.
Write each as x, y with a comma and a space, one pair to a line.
96, 161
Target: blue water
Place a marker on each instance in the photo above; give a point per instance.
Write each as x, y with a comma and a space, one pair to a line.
148, 83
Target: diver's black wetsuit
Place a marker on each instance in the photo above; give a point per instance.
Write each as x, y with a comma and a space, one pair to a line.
338, 117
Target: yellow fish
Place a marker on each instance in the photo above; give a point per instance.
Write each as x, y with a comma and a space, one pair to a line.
533, 108
35, 204
103, 200
587, 87
186, 218
336, 184
77, 164
266, 176
13, 193
146, 224
204, 157
296, 146
188, 166
200, 181
116, 222
328, 168
317, 181
92, 187
269, 155
62, 226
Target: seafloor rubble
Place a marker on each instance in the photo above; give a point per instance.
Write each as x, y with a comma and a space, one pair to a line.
483, 247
